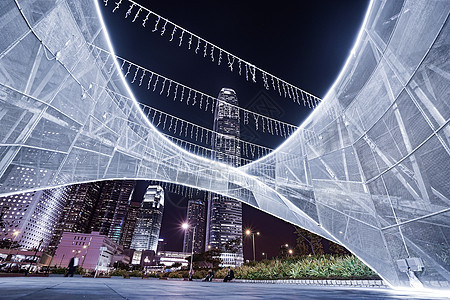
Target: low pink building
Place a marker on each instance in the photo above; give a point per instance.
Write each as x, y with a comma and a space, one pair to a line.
95, 251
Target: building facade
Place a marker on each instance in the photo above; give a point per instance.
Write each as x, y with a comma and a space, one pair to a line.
96, 206
148, 225
112, 207
130, 224
30, 219
224, 215
78, 211
95, 251
196, 217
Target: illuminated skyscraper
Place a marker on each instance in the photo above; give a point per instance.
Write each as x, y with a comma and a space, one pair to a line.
130, 224
196, 216
96, 206
32, 216
224, 218
112, 207
148, 225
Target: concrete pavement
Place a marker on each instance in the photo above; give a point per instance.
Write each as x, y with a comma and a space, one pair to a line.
136, 288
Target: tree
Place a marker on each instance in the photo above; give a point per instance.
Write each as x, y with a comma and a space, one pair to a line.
7, 243
337, 249
308, 242
211, 258
121, 265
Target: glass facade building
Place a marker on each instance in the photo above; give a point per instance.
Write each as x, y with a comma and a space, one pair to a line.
224, 217
148, 224
195, 217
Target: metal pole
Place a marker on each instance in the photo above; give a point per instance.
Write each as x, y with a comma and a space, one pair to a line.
60, 263
253, 238
96, 267
192, 253
34, 256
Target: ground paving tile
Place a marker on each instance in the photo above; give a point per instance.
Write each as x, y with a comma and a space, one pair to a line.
118, 288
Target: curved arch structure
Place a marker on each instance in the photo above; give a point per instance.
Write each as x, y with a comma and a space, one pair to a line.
369, 168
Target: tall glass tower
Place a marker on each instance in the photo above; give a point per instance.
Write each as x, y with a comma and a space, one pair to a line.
148, 224
196, 216
224, 219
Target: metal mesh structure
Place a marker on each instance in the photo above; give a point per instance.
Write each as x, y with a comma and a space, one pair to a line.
369, 168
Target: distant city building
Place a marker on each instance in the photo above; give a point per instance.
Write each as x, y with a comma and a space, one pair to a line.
196, 216
130, 224
78, 211
161, 246
16, 259
95, 251
96, 206
224, 215
30, 218
148, 225
112, 207
168, 258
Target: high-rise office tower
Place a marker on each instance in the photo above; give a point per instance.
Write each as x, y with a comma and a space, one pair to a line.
130, 224
224, 219
30, 218
196, 216
148, 225
78, 210
95, 206
111, 210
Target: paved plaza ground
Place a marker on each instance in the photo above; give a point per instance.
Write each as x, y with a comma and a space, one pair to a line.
118, 288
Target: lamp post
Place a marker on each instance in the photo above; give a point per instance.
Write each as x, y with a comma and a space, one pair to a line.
248, 232
34, 256
186, 226
9, 257
85, 254
264, 254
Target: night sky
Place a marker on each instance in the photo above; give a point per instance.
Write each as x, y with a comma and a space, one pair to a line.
305, 43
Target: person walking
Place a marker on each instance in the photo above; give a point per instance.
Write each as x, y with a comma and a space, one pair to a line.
230, 275
72, 265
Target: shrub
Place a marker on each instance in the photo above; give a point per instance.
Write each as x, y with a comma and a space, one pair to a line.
199, 274
306, 267
135, 273
119, 272
58, 270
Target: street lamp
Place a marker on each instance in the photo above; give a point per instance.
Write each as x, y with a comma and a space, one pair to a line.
290, 251
248, 232
186, 226
9, 257
85, 254
264, 254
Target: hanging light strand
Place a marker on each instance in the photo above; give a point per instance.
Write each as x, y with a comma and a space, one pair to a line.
186, 129
290, 91
142, 74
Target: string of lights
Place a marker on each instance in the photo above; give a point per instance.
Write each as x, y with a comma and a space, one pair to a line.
161, 25
182, 93
181, 128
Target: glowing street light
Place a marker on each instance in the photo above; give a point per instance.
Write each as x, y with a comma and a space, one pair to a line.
186, 226
290, 251
248, 232
15, 233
